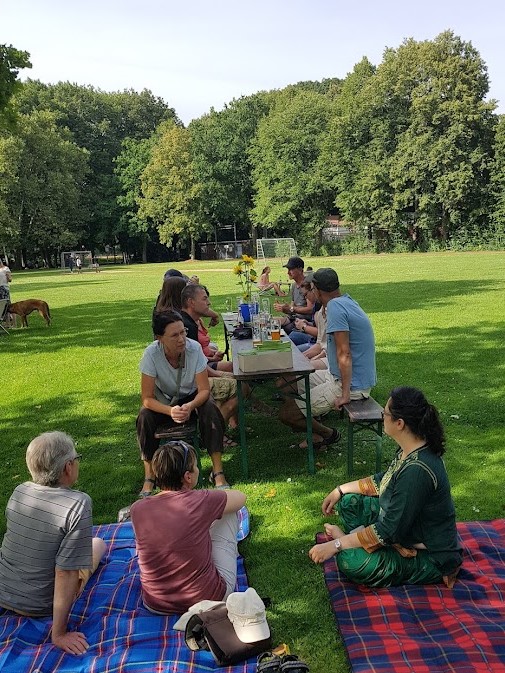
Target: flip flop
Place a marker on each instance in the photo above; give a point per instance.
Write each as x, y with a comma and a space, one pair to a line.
268, 663
221, 487
290, 663
146, 494
228, 442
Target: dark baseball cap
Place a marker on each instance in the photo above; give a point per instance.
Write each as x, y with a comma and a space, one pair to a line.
294, 263
326, 279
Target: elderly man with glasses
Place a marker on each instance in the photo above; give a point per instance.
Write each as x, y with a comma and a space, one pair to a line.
48, 552
350, 351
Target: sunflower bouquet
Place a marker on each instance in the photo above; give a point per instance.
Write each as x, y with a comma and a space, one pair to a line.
246, 276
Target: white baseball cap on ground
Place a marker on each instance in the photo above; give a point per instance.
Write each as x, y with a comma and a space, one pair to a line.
246, 611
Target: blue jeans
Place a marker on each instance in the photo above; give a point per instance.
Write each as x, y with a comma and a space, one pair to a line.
302, 340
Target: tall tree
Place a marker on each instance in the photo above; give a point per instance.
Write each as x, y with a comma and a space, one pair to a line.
130, 165
44, 201
498, 178
12, 60
414, 150
220, 143
172, 196
291, 195
99, 122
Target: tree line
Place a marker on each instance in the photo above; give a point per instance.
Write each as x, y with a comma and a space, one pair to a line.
408, 150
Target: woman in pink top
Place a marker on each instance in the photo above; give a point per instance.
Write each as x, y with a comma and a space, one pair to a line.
186, 539
265, 284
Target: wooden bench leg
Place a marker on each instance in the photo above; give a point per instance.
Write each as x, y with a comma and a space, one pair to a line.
378, 447
350, 446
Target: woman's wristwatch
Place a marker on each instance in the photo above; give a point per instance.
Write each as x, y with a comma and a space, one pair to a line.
338, 545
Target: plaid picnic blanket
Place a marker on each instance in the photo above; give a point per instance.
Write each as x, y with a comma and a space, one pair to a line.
429, 629
124, 637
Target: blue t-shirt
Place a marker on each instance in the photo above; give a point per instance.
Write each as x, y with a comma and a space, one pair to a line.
346, 315
155, 364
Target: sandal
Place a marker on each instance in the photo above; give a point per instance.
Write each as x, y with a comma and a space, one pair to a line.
221, 487
228, 442
268, 663
146, 494
291, 664
335, 437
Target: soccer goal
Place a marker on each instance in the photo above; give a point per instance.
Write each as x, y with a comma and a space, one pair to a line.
272, 248
69, 258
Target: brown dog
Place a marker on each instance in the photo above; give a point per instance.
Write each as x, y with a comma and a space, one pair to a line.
24, 308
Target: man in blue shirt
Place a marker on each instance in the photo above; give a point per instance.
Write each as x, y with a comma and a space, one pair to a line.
351, 360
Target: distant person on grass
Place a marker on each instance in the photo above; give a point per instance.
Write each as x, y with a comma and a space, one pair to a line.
175, 388
264, 283
48, 552
186, 537
399, 526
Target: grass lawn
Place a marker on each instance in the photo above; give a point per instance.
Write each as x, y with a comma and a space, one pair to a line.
439, 323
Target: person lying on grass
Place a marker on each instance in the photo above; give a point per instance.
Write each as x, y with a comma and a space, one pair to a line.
186, 539
48, 552
399, 526
174, 389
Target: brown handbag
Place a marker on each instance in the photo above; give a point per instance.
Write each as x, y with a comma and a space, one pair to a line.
212, 630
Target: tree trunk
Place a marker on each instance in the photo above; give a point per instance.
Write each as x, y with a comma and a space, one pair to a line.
193, 247
144, 248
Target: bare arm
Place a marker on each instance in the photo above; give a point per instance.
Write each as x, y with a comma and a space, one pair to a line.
149, 401
65, 588
344, 359
235, 501
181, 414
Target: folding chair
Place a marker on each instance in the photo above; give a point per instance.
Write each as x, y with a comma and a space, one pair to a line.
4, 309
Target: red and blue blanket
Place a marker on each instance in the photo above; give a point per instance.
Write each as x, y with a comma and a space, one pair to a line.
124, 637
429, 629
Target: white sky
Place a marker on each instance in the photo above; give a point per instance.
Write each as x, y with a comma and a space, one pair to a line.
199, 54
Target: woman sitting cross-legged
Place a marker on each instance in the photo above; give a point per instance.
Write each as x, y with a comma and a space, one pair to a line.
186, 539
399, 527
175, 388
264, 283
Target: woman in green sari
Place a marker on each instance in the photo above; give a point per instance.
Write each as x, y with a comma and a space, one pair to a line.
399, 526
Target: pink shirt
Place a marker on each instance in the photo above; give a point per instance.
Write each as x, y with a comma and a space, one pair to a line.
204, 339
175, 549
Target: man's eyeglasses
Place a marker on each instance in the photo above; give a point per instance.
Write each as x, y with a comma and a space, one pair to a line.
77, 457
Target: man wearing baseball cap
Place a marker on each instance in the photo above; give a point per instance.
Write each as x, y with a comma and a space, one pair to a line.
298, 306
351, 360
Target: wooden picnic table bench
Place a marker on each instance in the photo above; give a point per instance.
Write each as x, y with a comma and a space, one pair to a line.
365, 414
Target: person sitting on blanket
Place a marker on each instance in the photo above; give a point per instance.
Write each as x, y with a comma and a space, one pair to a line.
186, 538
175, 388
48, 552
399, 526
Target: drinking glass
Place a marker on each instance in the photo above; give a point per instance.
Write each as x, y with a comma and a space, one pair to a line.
256, 329
275, 329
265, 305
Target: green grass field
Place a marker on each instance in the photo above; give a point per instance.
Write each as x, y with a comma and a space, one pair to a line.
439, 323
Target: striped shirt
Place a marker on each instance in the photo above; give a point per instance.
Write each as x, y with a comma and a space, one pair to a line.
47, 528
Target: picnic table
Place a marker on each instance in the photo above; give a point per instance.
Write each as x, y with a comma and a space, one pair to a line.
301, 369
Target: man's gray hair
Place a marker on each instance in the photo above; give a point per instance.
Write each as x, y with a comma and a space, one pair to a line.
46, 456
191, 291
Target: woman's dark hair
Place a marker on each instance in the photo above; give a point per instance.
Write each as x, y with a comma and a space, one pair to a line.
170, 295
163, 318
419, 416
265, 270
170, 463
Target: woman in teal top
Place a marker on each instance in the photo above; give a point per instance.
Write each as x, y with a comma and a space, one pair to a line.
399, 526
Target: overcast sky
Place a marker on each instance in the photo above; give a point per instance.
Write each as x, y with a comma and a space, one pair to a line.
199, 54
